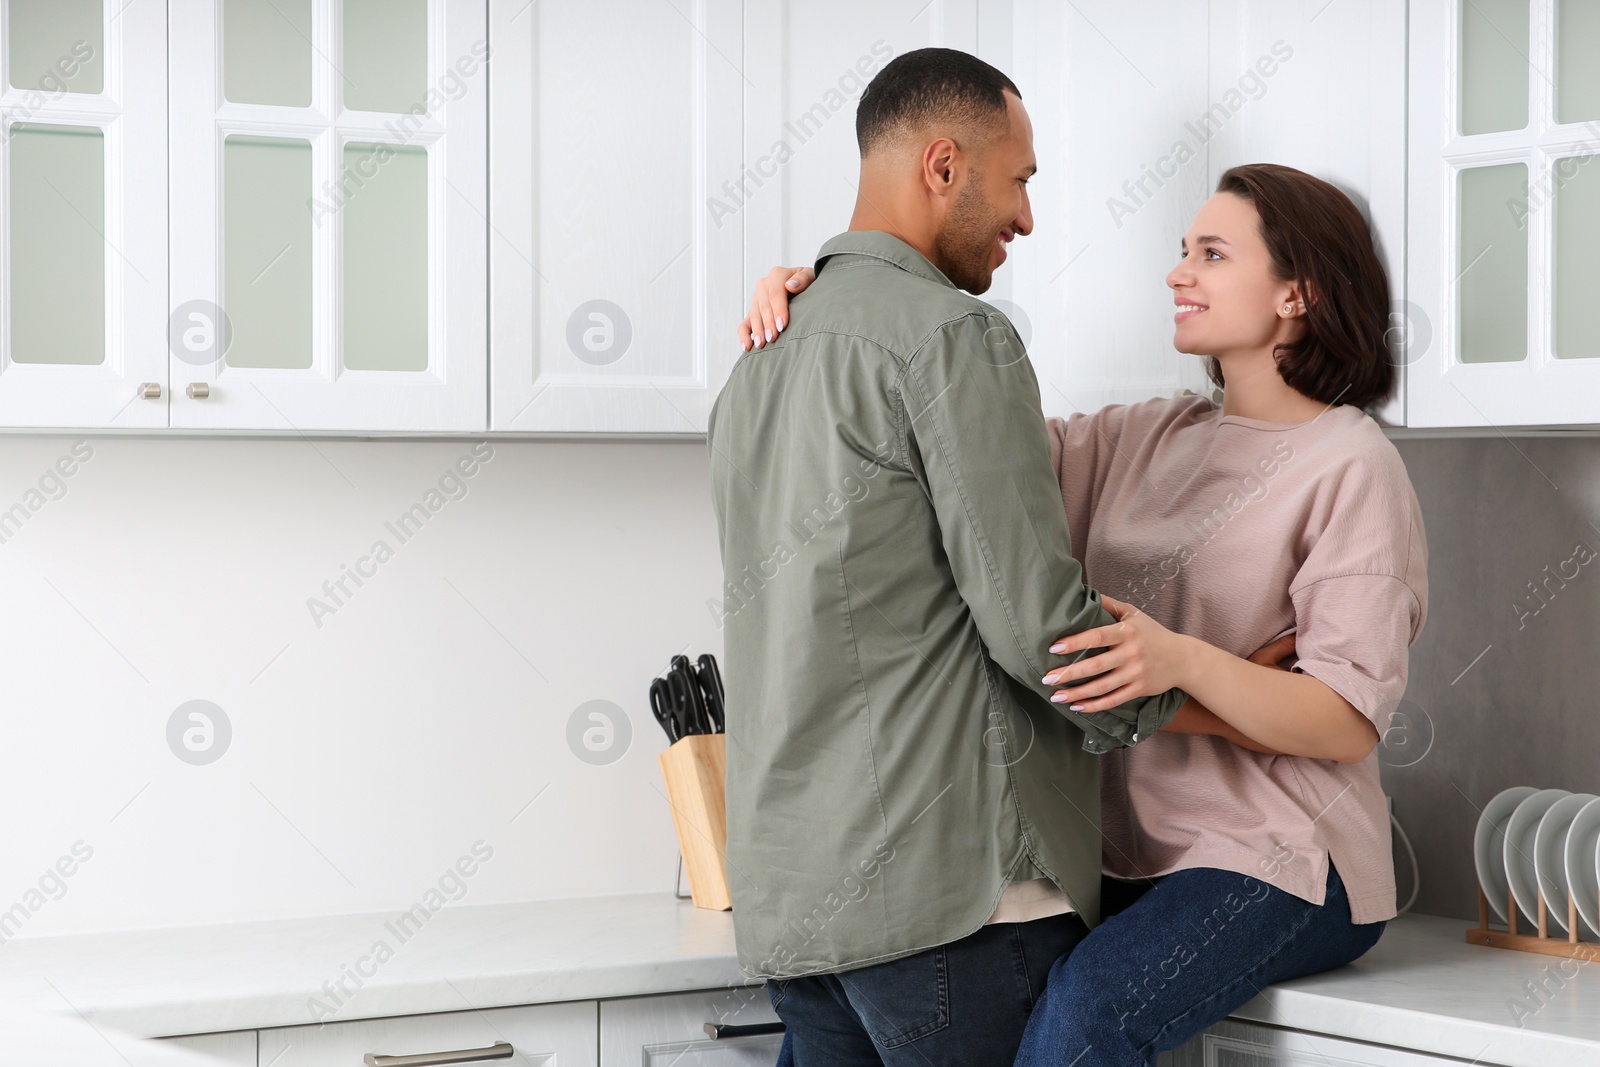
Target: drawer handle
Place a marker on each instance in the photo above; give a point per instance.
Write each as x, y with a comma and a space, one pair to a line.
500, 1050
719, 1031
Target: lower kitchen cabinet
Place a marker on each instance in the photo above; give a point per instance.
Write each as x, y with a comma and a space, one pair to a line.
662, 1030
1238, 1044
540, 1035
235, 1047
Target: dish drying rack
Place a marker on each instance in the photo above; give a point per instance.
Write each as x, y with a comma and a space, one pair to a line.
1540, 942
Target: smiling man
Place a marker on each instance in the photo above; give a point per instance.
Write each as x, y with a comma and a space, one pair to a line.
913, 833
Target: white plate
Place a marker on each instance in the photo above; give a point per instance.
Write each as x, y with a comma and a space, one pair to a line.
1583, 864
1489, 845
1520, 831
1550, 854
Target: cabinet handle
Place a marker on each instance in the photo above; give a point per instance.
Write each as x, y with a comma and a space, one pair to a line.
500, 1050
719, 1031
198, 390
149, 390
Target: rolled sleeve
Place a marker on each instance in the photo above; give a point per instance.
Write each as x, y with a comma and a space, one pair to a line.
1353, 636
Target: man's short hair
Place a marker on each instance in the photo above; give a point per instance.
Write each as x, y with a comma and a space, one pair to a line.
931, 87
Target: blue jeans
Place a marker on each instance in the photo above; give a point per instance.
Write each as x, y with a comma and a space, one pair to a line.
1173, 957
960, 1004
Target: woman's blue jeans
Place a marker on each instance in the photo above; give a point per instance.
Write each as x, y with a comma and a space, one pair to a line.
1176, 955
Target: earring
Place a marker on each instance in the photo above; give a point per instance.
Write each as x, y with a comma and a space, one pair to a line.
1288, 309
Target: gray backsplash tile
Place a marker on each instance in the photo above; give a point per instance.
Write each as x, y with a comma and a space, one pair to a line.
1501, 513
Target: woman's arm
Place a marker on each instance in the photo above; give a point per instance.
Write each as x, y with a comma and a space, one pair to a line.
1195, 718
1144, 657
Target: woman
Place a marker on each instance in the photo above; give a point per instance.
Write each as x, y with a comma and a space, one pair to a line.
1248, 841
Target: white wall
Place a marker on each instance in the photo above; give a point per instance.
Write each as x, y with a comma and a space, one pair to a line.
367, 754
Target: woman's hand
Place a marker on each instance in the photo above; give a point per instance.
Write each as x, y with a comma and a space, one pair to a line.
769, 307
1141, 658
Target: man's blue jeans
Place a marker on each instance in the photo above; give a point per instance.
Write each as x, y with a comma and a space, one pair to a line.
964, 1003
1173, 957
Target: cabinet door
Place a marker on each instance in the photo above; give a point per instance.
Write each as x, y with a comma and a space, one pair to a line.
235, 1047
1271, 66
1120, 177
1505, 212
806, 64
328, 214
1239, 1044
669, 1031
541, 1035
83, 245
616, 278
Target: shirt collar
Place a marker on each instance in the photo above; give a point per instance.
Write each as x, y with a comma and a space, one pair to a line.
890, 249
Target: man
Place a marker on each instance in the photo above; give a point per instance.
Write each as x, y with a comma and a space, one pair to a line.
913, 828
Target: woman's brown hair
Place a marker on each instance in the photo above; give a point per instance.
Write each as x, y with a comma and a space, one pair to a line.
1318, 238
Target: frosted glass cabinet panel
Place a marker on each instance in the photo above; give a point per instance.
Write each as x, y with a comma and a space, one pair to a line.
1492, 261
83, 240
1577, 72
266, 51
266, 237
1577, 220
56, 45
57, 214
1494, 65
385, 54
1503, 214
346, 278
386, 259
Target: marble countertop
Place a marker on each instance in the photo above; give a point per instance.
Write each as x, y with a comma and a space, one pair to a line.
50, 1039
288, 972
1421, 988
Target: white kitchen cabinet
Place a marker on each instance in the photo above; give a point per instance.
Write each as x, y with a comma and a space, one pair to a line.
83, 244
234, 1047
1109, 98
1231, 1043
807, 65
1505, 212
669, 1031
1271, 68
617, 283
328, 214
540, 1035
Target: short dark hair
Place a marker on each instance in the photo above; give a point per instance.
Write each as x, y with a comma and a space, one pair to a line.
926, 85
1319, 238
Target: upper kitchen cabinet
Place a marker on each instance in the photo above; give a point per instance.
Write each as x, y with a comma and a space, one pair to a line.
1322, 87
83, 245
618, 271
1119, 130
328, 215
806, 65
1505, 213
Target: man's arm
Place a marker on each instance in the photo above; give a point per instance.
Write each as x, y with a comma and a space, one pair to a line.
976, 435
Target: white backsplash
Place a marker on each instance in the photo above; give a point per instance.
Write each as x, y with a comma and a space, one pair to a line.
376, 737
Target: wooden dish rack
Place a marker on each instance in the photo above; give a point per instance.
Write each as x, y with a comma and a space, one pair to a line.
1541, 942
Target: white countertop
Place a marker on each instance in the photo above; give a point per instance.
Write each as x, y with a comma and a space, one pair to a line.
1421, 988
48, 1039
244, 976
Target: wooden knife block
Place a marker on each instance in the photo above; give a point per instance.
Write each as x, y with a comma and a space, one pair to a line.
695, 770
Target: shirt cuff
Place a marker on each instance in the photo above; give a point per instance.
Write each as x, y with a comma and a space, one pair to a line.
1127, 725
